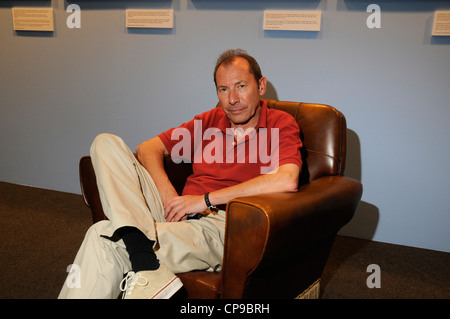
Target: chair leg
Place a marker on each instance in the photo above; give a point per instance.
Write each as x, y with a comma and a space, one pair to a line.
312, 292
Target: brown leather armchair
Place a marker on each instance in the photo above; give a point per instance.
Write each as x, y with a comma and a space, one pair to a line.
276, 245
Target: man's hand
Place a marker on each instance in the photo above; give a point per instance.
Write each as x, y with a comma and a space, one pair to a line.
177, 208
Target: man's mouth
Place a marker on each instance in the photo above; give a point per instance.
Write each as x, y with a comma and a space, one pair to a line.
236, 111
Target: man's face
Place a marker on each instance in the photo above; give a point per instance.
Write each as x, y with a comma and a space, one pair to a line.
239, 93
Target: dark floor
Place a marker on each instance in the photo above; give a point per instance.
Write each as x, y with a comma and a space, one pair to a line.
405, 272
41, 231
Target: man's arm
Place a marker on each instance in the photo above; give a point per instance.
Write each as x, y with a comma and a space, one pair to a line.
151, 155
285, 179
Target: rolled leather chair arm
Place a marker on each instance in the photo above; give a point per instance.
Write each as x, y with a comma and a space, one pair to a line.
264, 228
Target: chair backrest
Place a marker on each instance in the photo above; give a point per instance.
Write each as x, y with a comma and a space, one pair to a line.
323, 132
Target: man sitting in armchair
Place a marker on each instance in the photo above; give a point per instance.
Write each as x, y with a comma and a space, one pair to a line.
241, 148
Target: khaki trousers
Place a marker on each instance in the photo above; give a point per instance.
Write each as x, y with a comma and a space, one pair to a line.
130, 198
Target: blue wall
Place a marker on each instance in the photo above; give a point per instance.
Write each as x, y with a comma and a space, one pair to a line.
60, 89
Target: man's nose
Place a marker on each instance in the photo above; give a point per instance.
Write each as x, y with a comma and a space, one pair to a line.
233, 98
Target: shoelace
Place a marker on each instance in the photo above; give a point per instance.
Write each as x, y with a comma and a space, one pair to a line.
127, 284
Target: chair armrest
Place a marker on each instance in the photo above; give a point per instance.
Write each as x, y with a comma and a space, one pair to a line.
263, 229
89, 189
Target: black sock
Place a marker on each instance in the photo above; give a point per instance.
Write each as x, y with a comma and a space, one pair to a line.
140, 249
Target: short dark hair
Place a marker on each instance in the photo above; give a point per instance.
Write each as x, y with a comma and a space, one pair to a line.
229, 56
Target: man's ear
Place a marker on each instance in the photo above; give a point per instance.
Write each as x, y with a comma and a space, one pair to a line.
262, 85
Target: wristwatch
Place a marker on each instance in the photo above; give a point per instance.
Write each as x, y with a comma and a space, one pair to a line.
208, 204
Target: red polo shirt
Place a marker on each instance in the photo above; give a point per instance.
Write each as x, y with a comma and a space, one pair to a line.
221, 160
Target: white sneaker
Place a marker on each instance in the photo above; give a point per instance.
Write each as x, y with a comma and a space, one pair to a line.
152, 284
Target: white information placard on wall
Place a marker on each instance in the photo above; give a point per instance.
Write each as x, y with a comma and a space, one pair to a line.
292, 20
441, 23
32, 19
146, 18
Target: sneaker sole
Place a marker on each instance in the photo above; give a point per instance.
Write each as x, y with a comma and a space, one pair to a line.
168, 290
